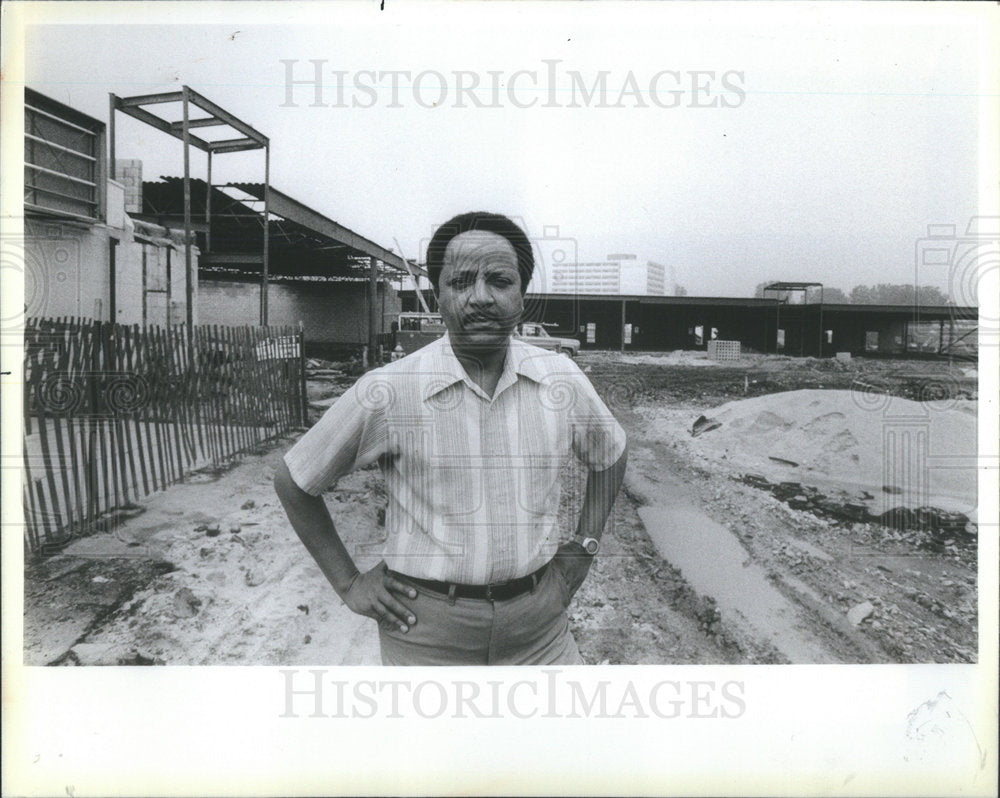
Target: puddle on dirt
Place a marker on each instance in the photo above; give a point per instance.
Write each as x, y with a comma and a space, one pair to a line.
715, 564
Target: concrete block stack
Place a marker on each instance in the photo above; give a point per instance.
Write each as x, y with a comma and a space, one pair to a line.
128, 172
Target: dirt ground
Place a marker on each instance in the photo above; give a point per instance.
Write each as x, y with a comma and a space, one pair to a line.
700, 564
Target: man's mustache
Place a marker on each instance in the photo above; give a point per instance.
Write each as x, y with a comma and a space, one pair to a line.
478, 318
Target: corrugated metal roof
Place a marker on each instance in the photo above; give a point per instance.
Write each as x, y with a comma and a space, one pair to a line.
303, 244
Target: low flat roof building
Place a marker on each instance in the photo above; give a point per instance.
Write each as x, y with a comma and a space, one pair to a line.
651, 323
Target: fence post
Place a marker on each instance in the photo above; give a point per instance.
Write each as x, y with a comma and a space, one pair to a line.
304, 404
373, 325
92, 468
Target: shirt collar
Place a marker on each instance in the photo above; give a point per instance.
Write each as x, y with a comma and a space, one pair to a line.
447, 368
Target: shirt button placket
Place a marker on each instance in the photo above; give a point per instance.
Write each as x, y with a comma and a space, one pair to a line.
491, 450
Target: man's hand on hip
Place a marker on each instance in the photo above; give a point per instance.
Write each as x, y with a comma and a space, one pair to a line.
373, 594
574, 563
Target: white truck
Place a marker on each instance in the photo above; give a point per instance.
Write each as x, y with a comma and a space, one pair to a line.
535, 334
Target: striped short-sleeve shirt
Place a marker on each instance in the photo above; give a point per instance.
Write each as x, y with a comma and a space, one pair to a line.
473, 481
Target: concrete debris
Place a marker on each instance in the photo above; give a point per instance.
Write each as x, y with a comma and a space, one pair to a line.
944, 527
186, 603
703, 424
136, 658
95, 654
255, 576
798, 502
859, 612
757, 481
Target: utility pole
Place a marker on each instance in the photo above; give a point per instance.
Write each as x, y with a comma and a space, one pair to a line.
372, 307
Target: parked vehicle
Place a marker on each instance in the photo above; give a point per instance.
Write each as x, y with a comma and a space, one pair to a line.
535, 334
416, 330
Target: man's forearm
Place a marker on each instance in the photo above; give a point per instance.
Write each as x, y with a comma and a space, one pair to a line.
599, 497
312, 523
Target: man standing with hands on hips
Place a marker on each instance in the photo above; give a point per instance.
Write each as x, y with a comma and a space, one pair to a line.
471, 433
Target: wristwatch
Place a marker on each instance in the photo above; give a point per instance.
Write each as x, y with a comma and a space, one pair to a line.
591, 546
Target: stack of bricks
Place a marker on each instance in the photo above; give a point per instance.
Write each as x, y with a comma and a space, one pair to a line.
723, 350
129, 174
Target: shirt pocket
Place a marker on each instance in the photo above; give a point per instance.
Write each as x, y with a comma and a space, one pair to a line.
458, 488
543, 446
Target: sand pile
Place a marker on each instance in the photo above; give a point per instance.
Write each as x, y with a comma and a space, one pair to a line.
902, 452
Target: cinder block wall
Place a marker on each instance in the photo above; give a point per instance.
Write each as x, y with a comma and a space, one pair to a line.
128, 172
129, 268
159, 245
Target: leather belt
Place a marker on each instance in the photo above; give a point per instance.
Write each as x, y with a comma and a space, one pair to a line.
498, 591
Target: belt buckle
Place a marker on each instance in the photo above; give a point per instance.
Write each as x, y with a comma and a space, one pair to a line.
490, 588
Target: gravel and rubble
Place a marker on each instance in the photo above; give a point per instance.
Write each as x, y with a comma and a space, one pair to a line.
822, 544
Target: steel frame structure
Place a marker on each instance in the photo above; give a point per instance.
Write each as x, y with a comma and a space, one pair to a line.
804, 288
181, 129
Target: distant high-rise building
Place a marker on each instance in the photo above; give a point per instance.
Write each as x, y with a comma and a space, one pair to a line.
656, 279
619, 274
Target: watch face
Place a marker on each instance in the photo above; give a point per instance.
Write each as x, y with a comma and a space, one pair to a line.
591, 546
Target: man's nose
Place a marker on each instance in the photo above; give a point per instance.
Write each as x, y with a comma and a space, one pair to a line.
481, 294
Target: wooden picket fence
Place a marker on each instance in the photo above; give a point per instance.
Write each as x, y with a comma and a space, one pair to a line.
113, 413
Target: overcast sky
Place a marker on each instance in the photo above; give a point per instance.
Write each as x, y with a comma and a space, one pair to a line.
802, 143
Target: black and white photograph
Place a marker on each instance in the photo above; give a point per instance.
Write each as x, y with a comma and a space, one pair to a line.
639, 345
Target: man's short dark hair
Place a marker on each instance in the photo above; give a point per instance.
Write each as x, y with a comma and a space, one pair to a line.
489, 222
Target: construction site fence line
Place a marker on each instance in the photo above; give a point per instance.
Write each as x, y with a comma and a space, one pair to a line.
113, 412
